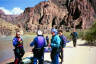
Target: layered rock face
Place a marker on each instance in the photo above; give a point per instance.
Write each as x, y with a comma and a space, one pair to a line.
9, 24
81, 14
1, 12
93, 3
60, 13
43, 16
7, 28
55, 13
8, 18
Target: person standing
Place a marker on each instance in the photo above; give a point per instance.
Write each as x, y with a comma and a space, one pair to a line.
62, 43
39, 43
74, 37
19, 48
55, 45
47, 39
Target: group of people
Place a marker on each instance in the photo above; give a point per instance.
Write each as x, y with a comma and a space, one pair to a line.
58, 42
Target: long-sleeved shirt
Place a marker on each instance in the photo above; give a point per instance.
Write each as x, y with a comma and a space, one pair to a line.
38, 42
63, 41
17, 42
55, 41
74, 35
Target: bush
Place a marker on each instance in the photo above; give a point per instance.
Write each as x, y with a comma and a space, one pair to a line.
67, 34
91, 35
79, 31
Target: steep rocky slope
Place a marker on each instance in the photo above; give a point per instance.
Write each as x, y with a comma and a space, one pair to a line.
8, 18
55, 13
59, 13
7, 28
43, 16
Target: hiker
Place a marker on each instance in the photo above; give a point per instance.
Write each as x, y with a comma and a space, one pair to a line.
47, 40
62, 44
19, 48
39, 43
74, 37
55, 45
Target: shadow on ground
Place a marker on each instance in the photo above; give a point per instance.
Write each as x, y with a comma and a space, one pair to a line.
13, 63
45, 62
85, 44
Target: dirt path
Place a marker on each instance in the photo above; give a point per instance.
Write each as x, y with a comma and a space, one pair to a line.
82, 54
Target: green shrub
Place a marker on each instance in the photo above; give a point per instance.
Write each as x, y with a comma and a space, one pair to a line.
91, 35
67, 34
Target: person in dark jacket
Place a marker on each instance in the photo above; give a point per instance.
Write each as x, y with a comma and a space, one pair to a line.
62, 43
55, 45
19, 49
39, 43
74, 37
47, 40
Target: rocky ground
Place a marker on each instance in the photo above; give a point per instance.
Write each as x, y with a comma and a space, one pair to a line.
82, 54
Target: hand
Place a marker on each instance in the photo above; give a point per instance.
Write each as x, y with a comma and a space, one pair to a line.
62, 48
19, 39
49, 45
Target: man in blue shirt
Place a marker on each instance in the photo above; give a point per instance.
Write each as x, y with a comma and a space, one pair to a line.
55, 45
19, 49
62, 43
74, 37
39, 43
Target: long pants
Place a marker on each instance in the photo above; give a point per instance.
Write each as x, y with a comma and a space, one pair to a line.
74, 42
39, 59
38, 55
19, 52
47, 42
61, 54
55, 56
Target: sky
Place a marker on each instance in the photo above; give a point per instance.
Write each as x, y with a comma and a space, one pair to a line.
15, 7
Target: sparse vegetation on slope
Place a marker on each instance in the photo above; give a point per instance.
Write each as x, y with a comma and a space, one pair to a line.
91, 35
7, 28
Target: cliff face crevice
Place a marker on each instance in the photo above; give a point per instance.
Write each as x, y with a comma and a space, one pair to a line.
93, 3
80, 11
